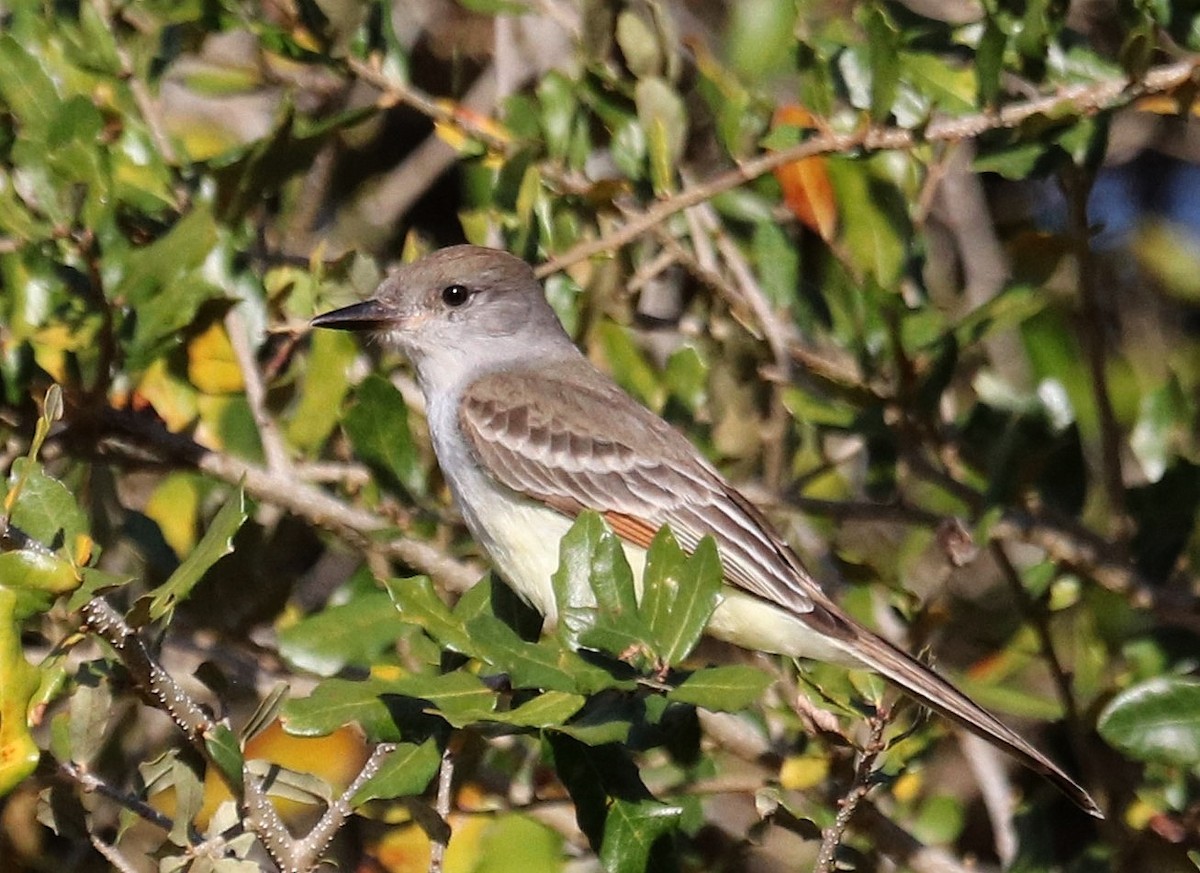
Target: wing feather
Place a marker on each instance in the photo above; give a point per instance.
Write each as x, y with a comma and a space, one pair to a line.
538, 433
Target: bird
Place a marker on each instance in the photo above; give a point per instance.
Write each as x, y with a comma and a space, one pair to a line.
529, 434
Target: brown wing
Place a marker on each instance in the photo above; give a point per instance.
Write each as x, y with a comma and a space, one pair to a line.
570, 438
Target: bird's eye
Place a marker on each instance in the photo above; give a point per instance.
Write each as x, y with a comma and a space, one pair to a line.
455, 295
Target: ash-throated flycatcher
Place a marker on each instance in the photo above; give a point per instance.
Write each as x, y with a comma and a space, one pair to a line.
528, 434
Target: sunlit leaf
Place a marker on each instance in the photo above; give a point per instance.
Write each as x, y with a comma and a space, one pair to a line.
405, 771
1156, 720
729, 689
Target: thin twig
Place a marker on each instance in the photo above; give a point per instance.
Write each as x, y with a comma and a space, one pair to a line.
92, 783
111, 855
445, 794
832, 836
109, 625
1082, 100
996, 789
278, 459
310, 849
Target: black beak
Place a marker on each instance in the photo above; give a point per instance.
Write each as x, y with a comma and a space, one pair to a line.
368, 315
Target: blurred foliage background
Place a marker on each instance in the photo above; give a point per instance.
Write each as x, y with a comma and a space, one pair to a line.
921, 277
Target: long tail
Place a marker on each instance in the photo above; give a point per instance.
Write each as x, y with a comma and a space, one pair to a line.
931, 690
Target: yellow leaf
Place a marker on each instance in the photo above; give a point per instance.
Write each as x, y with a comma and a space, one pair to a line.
803, 771
172, 399
173, 506
212, 365
907, 786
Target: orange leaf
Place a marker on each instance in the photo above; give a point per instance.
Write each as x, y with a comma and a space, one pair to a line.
807, 190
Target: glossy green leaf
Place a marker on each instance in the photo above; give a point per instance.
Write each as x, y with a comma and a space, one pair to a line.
406, 771
45, 509
544, 711
592, 567
226, 752
528, 665
1156, 720
631, 830
419, 604
350, 633
730, 688
680, 594
337, 702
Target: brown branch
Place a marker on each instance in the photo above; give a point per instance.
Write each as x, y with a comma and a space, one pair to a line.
141, 439
445, 791
1082, 99
309, 850
108, 624
832, 836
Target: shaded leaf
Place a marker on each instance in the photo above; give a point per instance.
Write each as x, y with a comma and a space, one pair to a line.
377, 425
214, 545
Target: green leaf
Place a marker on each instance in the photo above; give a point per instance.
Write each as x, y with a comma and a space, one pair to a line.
629, 366
216, 544
874, 220
761, 36
45, 509
165, 286
547, 710
459, 694
26, 88
377, 426
591, 560
630, 831
680, 594
18, 752
989, 61
883, 46
338, 702
225, 751
323, 388
724, 689
778, 260
419, 604
386, 708
90, 709
36, 578
1156, 720
350, 633
662, 115
559, 100
406, 771
528, 665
